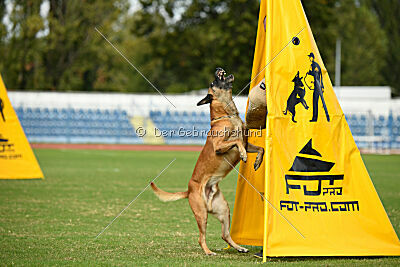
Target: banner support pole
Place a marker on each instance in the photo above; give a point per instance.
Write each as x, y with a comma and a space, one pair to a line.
268, 126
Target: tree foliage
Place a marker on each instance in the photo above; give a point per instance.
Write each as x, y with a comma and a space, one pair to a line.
364, 43
387, 13
61, 51
178, 44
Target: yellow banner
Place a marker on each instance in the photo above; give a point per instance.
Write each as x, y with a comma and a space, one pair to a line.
17, 160
248, 212
322, 200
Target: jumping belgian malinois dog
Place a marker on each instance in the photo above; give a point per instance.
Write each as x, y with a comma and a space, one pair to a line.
226, 144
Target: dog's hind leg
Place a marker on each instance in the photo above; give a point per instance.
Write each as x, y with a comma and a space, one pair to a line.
210, 192
199, 209
220, 210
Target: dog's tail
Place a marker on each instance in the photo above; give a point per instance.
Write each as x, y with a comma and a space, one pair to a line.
166, 196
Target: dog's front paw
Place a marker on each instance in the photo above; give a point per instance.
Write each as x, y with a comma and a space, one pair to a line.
211, 253
243, 156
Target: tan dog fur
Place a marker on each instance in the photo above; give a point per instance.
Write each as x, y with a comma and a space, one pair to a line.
203, 192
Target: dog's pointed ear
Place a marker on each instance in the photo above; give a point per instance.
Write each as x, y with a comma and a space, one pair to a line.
206, 100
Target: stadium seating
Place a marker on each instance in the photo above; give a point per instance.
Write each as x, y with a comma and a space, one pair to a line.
77, 126
181, 127
177, 127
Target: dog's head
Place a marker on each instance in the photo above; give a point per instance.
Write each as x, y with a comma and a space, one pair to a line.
297, 80
220, 89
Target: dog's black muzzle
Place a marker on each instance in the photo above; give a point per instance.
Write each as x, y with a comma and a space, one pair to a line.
221, 81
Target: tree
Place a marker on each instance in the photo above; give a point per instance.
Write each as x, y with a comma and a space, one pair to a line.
75, 51
3, 32
22, 62
208, 34
178, 44
388, 14
60, 51
364, 43
323, 19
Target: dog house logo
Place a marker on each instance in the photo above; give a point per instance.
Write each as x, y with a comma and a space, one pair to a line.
318, 185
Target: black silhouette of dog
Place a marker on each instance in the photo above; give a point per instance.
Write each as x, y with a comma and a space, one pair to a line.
297, 96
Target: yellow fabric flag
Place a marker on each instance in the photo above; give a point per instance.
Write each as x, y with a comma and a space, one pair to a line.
248, 203
17, 160
322, 200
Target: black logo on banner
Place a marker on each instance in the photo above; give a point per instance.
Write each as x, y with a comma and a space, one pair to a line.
2, 110
315, 185
7, 150
306, 164
5, 145
296, 97
314, 82
318, 87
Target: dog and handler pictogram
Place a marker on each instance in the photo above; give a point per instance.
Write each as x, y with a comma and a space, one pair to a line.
313, 175
298, 93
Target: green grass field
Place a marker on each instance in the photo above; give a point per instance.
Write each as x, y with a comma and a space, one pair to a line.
54, 221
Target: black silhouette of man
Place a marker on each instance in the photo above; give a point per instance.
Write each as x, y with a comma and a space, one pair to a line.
315, 71
1, 109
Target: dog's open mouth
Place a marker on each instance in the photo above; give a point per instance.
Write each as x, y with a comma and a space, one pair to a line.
220, 74
224, 82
